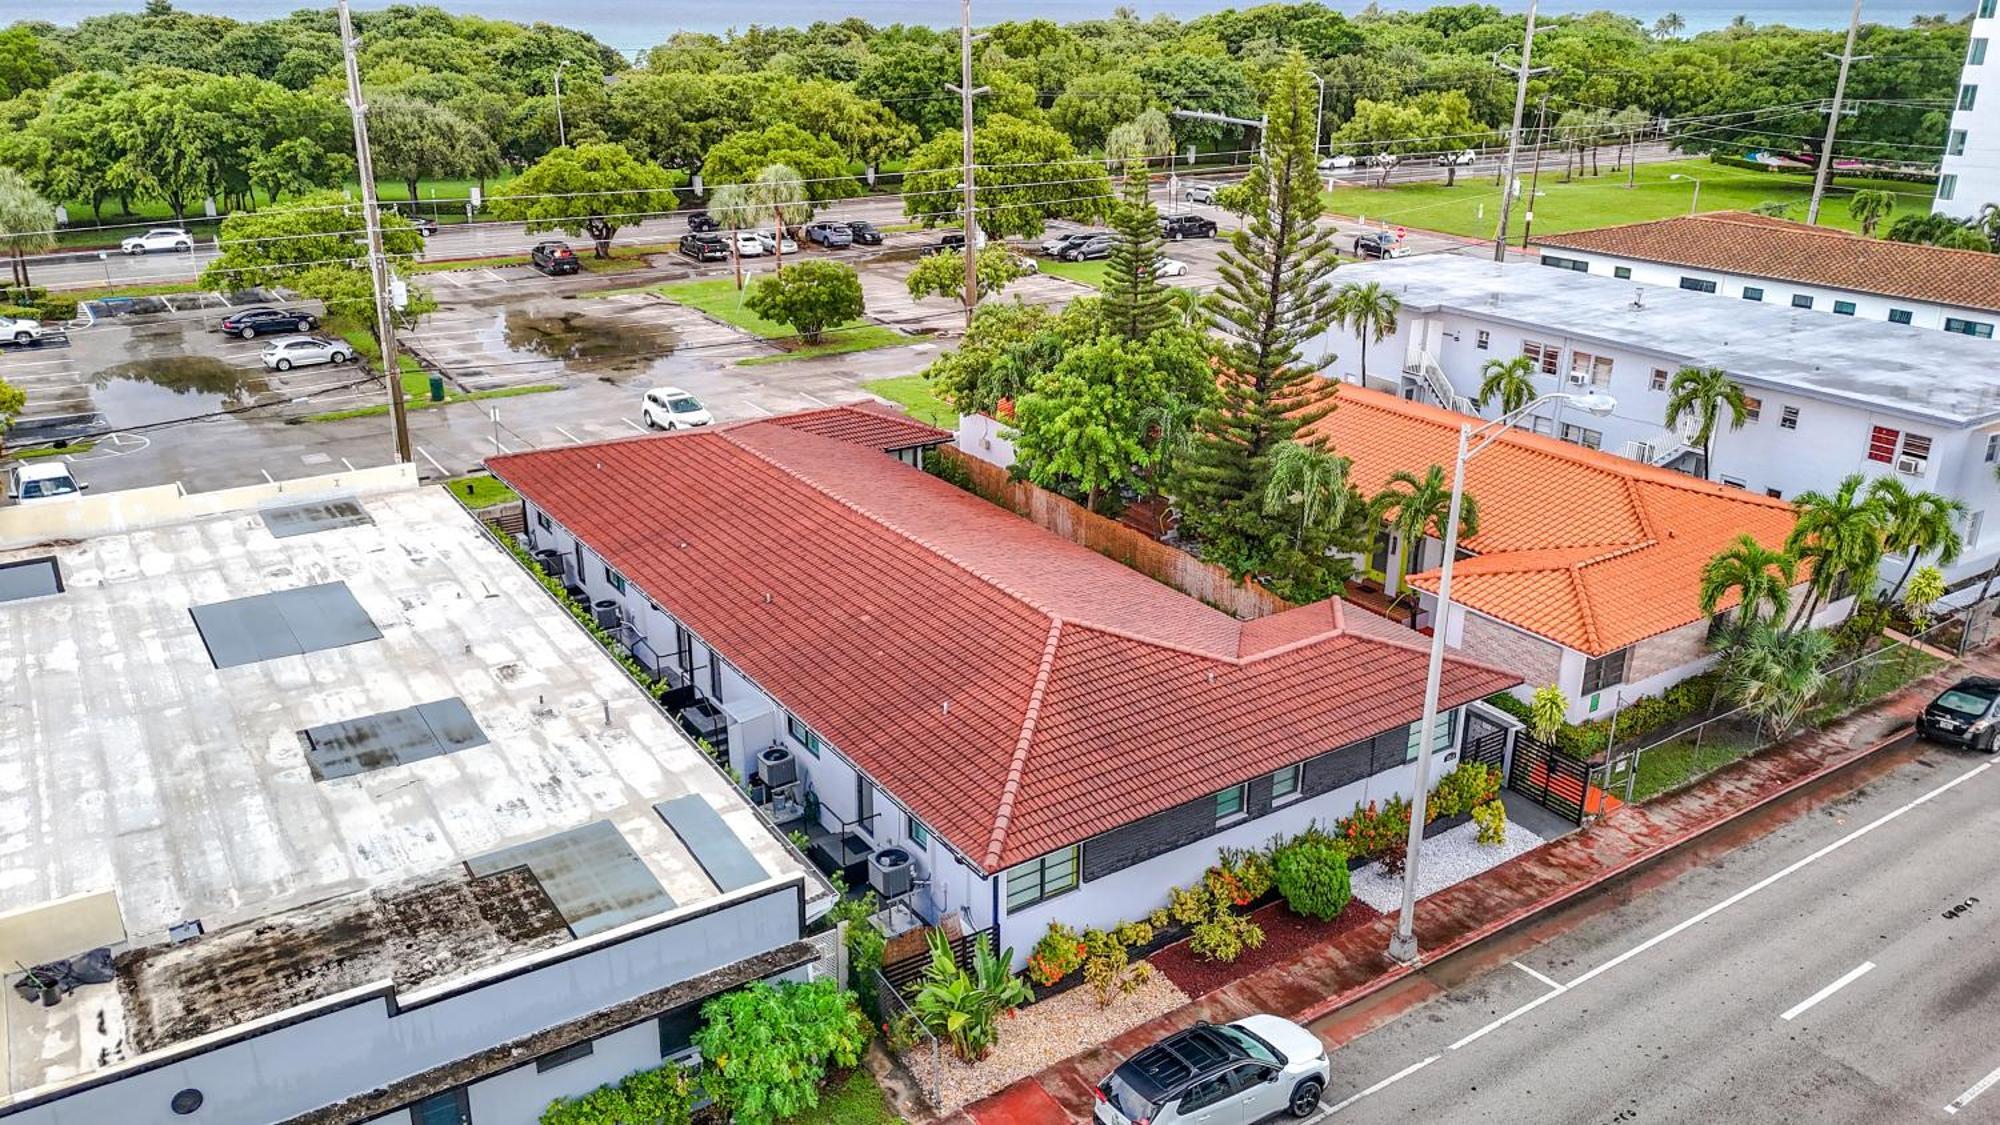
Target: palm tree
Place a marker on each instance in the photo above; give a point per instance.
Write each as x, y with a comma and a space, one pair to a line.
1840, 535
1368, 310
1917, 522
1418, 506
27, 222
1169, 425
1310, 479
1703, 393
1777, 676
1869, 208
1512, 381
1762, 578
735, 206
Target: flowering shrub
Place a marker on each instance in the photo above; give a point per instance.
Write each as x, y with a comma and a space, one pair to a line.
1250, 869
1380, 832
1224, 887
1056, 956
1464, 789
1492, 820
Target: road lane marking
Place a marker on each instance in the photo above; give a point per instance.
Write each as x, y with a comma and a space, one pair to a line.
635, 425
1806, 1004
1977, 1089
573, 439
1384, 1084
434, 461
1543, 977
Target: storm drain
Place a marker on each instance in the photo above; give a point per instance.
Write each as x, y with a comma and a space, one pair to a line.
282, 623
320, 515
391, 738
594, 878
30, 578
718, 850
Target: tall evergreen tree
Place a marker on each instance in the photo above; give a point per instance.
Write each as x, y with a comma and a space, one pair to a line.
1274, 298
1136, 303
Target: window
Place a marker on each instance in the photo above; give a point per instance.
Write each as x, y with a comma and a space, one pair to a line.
1802, 301
1788, 418
1577, 264
1882, 444
1658, 381
1040, 879
1600, 672
1752, 293
677, 1030
801, 734
1440, 736
1753, 408
1972, 523
1843, 308
1947, 185
1968, 95
1955, 146
1992, 448
1577, 435
714, 677
1592, 369
1229, 804
616, 580
1622, 273
864, 804
1986, 8
919, 835
1899, 316
1483, 341
1698, 284
448, 1108
1733, 482
1977, 328
1976, 54
1547, 357
1917, 448
684, 650
562, 1056
1285, 783
543, 521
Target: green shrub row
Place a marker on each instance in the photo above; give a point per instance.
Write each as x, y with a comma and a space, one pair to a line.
1691, 696
37, 303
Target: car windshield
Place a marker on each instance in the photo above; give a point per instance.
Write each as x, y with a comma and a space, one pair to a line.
1964, 702
684, 404
1254, 1047
860, 226
47, 487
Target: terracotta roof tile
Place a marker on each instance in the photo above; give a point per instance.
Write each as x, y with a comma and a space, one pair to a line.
868, 423
1781, 250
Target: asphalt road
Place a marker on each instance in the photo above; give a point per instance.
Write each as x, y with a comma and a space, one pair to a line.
1844, 968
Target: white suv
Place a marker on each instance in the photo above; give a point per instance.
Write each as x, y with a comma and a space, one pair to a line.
1254, 1068
160, 238
670, 408
20, 330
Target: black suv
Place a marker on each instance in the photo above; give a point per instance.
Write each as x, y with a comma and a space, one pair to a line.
950, 241
554, 258
1178, 227
705, 246
1379, 244
701, 221
864, 232
1963, 715
254, 322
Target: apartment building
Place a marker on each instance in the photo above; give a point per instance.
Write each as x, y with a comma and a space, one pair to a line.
1969, 174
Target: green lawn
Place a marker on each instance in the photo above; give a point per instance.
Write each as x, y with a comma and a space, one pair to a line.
1605, 200
481, 491
53, 450
163, 289
914, 394
490, 262
857, 1101
1681, 761
1083, 273
719, 298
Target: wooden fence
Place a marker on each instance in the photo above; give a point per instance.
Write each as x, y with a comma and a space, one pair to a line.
1114, 540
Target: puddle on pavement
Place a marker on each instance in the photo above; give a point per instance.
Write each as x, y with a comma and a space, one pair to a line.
166, 388
589, 343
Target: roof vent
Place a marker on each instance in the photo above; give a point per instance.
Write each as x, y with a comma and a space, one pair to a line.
1639, 298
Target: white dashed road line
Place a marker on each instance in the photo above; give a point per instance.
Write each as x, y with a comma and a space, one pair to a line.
1977, 1089
1852, 975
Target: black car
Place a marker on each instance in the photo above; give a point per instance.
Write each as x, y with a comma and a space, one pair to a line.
864, 233
1096, 246
1379, 244
554, 258
705, 246
701, 221
951, 240
425, 225
1178, 227
254, 322
1963, 715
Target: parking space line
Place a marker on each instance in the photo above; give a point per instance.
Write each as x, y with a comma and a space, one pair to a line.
634, 425
1850, 977
1384, 1084
433, 461
573, 439
1543, 977
1976, 1089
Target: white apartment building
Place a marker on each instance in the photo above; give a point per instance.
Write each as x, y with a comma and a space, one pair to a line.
1830, 395
1969, 175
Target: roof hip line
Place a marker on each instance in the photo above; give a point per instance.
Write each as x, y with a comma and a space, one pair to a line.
1003, 814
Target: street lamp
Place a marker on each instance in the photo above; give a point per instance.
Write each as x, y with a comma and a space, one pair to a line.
1694, 204
1403, 946
562, 134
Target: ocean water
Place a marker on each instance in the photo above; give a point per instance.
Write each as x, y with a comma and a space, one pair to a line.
633, 25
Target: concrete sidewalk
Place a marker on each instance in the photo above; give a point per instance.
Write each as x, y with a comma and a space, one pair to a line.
1355, 964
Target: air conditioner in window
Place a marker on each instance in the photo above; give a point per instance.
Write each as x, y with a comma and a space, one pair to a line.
1579, 378
1910, 466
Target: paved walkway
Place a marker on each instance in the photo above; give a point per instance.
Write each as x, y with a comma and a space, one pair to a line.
1355, 964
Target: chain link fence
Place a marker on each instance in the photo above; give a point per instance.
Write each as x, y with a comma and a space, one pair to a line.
911, 1043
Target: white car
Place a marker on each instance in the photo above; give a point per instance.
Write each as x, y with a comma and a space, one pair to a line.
1460, 158
1257, 1067
20, 330
32, 482
1201, 192
159, 238
670, 408
748, 245
1336, 163
305, 351
774, 245
1171, 267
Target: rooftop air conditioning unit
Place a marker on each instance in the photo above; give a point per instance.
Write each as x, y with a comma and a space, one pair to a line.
891, 872
1910, 466
778, 766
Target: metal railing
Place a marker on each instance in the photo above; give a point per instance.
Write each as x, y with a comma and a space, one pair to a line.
924, 1057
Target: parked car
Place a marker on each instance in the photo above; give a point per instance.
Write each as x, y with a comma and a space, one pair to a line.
829, 234
1056, 244
701, 221
1171, 267
554, 258
258, 320
1460, 158
1096, 246
30, 482
1964, 715
1379, 244
748, 245
425, 225
304, 351
1201, 192
21, 330
159, 238
954, 240
705, 246
776, 245
1177, 227
1024, 265
670, 408
1383, 160
1337, 163
1242, 1072
864, 233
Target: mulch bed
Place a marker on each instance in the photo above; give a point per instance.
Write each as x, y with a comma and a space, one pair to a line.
1286, 936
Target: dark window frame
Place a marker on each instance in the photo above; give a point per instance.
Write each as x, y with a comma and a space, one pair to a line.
1697, 284
458, 1101
1843, 308
1901, 316
1802, 300
563, 1056
1753, 293
1039, 867
1977, 329
1607, 671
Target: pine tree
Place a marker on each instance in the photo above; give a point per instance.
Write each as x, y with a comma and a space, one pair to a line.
1274, 298
1136, 303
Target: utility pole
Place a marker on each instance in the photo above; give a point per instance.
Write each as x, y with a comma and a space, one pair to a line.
1535, 179
371, 217
1514, 138
966, 92
562, 134
1833, 116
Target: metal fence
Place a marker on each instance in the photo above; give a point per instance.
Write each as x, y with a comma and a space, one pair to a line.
924, 1057
831, 946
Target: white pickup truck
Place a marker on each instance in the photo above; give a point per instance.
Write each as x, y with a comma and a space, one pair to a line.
35, 482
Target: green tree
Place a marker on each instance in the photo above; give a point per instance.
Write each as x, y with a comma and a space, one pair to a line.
1927, 229
1136, 302
943, 274
313, 246
864, 129
1511, 381
820, 164
1916, 523
765, 1048
12, 401
166, 146
737, 207
297, 165
1869, 208
1138, 142
1274, 298
1417, 507
1921, 596
413, 141
1412, 125
1368, 309
26, 62
1083, 425
1309, 484
1761, 578
1095, 103
1705, 394
1006, 352
811, 297
1777, 675
27, 222
1838, 534
592, 190
1026, 174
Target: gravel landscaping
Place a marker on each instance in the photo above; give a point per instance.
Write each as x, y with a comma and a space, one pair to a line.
1448, 857
1044, 1033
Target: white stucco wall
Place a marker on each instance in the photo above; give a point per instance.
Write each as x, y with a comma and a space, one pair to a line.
518, 1096
982, 437
1977, 169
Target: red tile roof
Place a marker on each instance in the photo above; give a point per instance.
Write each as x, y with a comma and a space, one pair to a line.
1781, 250
1588, 549
1017, 692
870, 423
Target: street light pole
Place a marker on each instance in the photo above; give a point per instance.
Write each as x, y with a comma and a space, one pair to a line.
1694, 202
1403, 944
562, 134
371, 218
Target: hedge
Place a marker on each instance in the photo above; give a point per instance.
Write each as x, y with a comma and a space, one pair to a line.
1649, 713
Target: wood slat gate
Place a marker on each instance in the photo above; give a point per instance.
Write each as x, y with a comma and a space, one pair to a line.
907, 974
1551, 779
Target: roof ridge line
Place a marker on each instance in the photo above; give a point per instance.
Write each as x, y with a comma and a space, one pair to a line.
1003, 813
1589, 608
